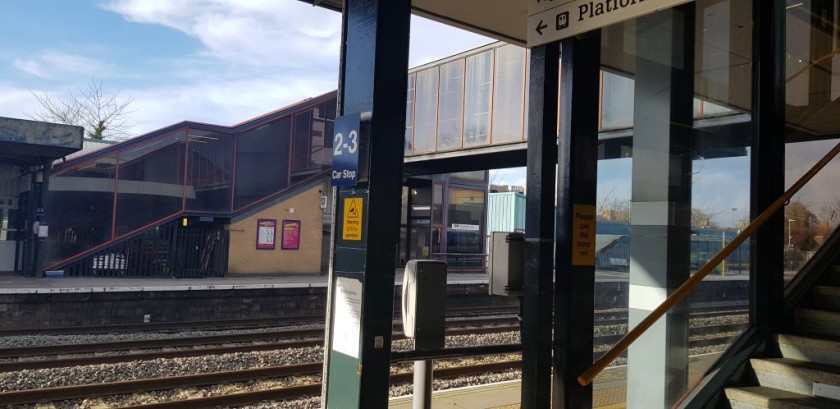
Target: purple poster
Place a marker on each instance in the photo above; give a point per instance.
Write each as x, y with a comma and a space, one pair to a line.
291, 235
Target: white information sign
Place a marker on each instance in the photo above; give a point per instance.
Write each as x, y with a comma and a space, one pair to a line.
348, 315
553, 20
465, 227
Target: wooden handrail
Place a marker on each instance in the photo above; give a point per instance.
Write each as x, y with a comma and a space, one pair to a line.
586, 378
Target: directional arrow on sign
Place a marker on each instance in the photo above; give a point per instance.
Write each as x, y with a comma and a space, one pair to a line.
541, 26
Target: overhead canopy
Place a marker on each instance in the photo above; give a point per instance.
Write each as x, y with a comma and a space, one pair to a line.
505, 20
32, 142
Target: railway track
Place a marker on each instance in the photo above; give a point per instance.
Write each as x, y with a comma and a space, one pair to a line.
177, 382
231, 324
700, 335
27, 358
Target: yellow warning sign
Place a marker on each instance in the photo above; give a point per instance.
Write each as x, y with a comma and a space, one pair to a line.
351, 227
583, 235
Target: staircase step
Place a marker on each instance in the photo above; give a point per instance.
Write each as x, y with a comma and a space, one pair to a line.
821, 351
813, 321
794, 375
763, 397
826, 297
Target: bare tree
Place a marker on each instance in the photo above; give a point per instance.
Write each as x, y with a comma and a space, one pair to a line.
702, 217
613, 207
104, 116
830, 212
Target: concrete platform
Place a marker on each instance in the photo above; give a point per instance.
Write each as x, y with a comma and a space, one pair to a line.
609, 391
13, 284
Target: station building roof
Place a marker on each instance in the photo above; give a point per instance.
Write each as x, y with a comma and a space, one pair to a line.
24, 142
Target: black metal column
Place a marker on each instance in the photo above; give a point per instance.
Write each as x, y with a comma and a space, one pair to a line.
373, 80
577, 169
768, 152
539, 227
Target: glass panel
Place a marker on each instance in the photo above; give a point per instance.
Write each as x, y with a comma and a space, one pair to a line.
151, 182
425, 110
262, 162
450, 112
662, 209
209, 171
409, 116
81, 203
473, 176
509, 94
616, 101
812, 113
477, 99
421, 210
303, 122
464, 215
437, 203
321, 137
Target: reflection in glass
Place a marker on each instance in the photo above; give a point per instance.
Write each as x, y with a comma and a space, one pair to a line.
303, 122
812, 112
509, 94
466, 209
150, 185
450, 111
262, 156
478, 95
82, 204
409, 116
644, 92
616, 101
425, 110
209, 171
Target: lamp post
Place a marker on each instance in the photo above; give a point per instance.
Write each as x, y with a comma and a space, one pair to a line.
790, 243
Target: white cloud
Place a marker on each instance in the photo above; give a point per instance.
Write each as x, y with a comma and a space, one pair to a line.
61, 65
246, 33
16, 102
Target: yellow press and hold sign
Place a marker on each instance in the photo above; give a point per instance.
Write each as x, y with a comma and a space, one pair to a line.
351, 227
583, 235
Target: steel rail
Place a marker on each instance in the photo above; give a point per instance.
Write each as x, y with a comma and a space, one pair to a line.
244, 398
145, 385
184, 353
688, 286
194, 341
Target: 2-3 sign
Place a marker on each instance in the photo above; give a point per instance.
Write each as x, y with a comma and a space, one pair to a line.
339, 144
345, 163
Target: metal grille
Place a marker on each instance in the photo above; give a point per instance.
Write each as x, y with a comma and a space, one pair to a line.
167, 250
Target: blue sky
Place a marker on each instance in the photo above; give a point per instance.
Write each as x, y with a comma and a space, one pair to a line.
216, 61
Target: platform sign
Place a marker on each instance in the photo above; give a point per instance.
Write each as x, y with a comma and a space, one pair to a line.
345, 162
351, 224
583, 235
554, 20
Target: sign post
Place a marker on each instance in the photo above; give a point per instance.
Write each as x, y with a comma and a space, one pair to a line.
554, 20
345, 163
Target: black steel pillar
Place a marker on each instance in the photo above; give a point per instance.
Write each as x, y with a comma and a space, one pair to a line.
539, 227
768, 152
574, 282
373, 80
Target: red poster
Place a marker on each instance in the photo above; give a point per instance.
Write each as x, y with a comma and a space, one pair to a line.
266, 230
291, 235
